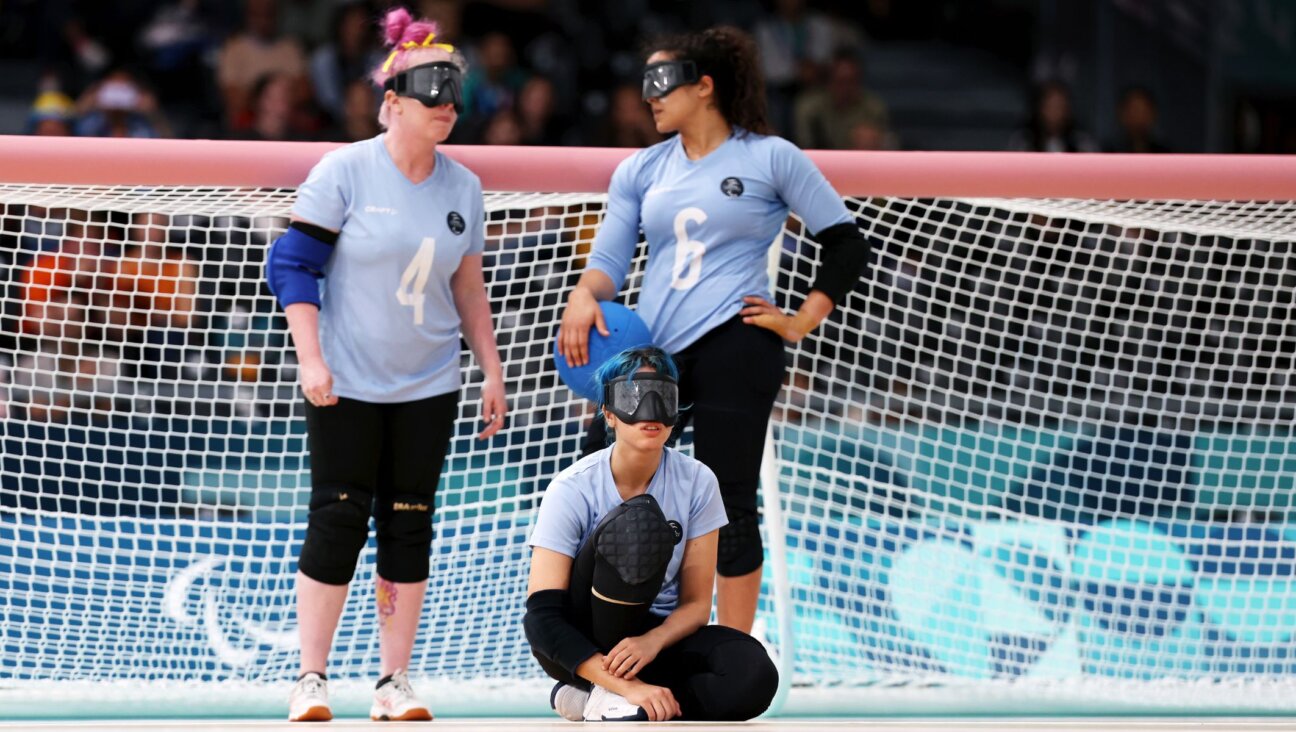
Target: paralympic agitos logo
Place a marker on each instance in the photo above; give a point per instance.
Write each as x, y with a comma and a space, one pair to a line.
196, 598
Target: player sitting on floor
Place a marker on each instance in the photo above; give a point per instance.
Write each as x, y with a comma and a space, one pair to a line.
622, 570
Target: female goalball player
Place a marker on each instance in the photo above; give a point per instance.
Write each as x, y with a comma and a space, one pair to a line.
709, 201
395, 229
622, 570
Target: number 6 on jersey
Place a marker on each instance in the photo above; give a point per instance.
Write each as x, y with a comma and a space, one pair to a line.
688, 253
414, 280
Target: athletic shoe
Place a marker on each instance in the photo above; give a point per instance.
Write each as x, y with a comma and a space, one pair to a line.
568, 701
308, 701
394, 701
604, 706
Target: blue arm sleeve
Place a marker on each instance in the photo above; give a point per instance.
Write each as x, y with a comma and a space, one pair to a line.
614, 244
805, 189
295, 264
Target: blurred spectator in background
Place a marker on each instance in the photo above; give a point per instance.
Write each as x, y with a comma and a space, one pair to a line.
629, 122
53, 113
60, 376
448, 14
58, 286
1051, 127
349, 54
156, 284
64, 28
541, 125
66, 362
795, 44
359, 113
175, 45
494, 80
309, 21
277, 114
119, 106
1137, 116
869, 135
502, 129
256, 51
825, 115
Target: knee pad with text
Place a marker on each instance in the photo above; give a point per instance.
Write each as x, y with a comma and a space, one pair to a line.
403, 525
337, 530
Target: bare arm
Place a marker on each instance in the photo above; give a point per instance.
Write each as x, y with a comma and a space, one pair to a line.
313, 373
597, 284
583, 311
469, 287
697, 585
759, 311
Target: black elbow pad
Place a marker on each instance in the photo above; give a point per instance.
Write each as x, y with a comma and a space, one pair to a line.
844, 257
550, 632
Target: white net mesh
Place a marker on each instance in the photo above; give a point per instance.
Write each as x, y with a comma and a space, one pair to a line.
1041, 456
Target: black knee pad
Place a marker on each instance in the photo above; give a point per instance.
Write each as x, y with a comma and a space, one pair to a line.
335, 533
741, 551
634, 544
404, 528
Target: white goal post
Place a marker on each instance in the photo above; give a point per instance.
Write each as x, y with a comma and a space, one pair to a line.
1041, 459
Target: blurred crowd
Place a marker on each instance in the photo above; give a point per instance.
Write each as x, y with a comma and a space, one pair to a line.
540, 72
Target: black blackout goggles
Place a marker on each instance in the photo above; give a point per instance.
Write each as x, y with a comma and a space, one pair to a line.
434, 84
643, 397
664, 77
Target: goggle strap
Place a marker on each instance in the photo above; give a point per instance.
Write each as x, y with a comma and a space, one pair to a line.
409, 45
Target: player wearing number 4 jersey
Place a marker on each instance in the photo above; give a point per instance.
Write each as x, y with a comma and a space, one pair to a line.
709, 202
394, 229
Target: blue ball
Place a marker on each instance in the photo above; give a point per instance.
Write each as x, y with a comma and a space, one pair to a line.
625, 330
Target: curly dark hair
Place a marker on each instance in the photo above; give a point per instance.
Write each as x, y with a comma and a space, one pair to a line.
728, 55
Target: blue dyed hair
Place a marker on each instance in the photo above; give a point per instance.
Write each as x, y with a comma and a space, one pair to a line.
630, 361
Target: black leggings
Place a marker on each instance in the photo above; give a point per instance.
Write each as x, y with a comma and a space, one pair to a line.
379, 459
716, 674
729, 380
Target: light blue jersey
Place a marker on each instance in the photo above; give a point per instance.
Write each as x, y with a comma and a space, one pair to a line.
709, 224
580, 496
389, 329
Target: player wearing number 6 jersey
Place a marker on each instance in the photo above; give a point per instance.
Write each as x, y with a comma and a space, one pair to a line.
709, 202
394, 228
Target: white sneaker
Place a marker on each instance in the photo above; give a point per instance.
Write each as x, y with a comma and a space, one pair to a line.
569, 702
395, 702
605, 706
308, 701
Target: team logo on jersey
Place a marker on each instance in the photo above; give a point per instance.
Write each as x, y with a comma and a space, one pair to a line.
676, 529
731, 187
455, 222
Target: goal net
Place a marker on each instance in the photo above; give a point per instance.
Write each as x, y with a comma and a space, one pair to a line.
1040, 459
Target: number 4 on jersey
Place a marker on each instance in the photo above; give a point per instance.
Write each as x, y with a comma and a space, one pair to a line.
414, 280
